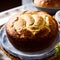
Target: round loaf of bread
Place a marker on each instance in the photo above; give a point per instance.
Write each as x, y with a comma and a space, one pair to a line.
31, 30
47, 3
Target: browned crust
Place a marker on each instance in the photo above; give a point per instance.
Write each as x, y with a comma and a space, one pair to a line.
10, 29
30, 42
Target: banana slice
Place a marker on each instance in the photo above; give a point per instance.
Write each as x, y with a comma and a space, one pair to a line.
28, 19
37, 25
19, 25
39, 21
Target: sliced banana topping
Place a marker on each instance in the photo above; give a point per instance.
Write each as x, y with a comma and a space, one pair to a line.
19, 25
32, 22
28, 19
47, 21
39, 21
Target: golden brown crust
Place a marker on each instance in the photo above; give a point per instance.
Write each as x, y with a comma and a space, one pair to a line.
47, 3
32, 30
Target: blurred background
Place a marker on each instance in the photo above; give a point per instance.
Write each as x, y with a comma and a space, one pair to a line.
8, 4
